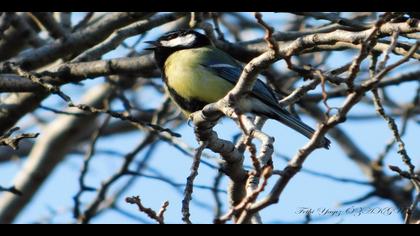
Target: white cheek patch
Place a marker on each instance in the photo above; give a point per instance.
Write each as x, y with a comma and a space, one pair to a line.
186, 41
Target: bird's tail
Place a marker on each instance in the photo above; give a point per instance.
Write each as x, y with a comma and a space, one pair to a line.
291, 121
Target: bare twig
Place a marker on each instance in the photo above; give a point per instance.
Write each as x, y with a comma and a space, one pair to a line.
51, 25
83, 22
88, 157
91, 210
335, 18
216, 183
11, 190
190, 181
394, 40
415, 180
13, 142
119, 36
243, 206
126, 117
366, 46
149, 212
404, 174
413, 207
394, 128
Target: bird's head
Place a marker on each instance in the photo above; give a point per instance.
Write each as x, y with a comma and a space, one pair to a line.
174, 41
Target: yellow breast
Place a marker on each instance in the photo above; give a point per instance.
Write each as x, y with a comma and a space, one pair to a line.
186, 75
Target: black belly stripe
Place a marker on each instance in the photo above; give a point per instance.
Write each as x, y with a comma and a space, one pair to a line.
190, 105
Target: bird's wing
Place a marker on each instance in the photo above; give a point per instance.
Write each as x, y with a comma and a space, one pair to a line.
232, 73
263, 93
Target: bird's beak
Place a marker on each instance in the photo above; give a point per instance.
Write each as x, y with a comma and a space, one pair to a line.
153, 43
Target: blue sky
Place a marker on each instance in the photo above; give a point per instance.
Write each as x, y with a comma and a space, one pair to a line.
304, 191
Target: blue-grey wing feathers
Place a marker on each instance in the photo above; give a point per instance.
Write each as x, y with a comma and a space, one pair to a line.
263, 93
232, 74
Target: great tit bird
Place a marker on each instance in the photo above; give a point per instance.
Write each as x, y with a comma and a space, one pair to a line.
196, 73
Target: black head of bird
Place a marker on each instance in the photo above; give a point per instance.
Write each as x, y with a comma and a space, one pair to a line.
174, 41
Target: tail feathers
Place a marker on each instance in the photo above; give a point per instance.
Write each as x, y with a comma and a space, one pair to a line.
288, 119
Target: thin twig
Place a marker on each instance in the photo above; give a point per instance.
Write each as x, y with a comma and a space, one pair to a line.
88, 157
92, 209
190, 184
249, 199
394, 40
366, 46
37, 80
216, 184
83, 22
394, 129
149, 212
123, 116
12, 189
13, 142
